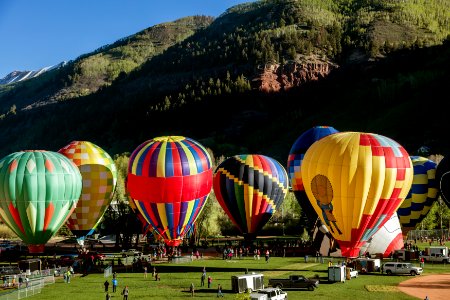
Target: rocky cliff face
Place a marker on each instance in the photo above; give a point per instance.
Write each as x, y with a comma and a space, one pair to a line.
276, 77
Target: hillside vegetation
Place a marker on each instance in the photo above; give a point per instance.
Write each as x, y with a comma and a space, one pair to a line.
200, 77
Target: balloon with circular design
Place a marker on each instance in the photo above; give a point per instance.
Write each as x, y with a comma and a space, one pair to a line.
99, 174
443, 178
355, 181
421, 196
170, 178
250, 188
38, 192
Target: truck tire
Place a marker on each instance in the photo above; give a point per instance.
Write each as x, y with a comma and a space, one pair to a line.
388, 272
413, 273
278, 286
310, 288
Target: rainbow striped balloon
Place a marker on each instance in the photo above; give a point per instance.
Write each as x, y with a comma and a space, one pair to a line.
170, 178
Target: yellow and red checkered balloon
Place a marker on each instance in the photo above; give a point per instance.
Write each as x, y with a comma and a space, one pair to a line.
99, 174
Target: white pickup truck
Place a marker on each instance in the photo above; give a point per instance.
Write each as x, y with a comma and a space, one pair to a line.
268, 294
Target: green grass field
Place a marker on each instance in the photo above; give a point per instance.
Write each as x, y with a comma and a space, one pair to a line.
176, 278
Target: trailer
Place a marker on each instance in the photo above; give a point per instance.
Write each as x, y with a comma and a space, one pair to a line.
247, 282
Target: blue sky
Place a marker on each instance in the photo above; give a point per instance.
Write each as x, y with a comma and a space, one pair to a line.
40, 33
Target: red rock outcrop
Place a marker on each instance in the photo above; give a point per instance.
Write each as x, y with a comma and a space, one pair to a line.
276, 77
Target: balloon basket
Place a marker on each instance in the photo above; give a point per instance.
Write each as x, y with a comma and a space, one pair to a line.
36, 248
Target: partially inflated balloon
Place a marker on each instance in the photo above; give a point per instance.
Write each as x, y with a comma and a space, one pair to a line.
355, 182
38, 191
421, 196
99, 175
294, 164
250, 188
386, 240
443, 178
169, 179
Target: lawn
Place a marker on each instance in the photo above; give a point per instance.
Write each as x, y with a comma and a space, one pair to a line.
176, 278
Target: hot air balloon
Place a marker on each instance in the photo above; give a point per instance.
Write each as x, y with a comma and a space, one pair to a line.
170, 178
38, 192
250, 188
386, 240
294, 165
355, 182
99, 175
443, 178
421, 196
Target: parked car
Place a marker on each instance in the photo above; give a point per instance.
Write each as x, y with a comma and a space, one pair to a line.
131, 252
353, 273
401, 268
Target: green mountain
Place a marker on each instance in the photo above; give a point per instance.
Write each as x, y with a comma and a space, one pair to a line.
249, 81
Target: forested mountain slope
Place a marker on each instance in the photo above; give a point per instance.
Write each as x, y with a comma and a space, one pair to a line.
251, 80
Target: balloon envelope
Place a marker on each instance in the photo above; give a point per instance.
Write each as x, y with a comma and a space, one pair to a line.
355, 182
294, 164
386, 240
99, 175
169, 179
38, 191
443, 178
421, 196
250, 188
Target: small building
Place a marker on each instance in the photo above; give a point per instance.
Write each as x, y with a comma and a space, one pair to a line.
30, 265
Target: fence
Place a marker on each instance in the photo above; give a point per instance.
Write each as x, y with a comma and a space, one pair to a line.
21, 288
428, 234
107, 272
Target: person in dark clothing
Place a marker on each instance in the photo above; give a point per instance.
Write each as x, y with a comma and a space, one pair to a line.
106, 284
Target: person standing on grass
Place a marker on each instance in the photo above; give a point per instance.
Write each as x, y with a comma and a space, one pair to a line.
192, 289
125, 292
114, 284
145, 271
106, 284
202, 281
219, 291
209, 281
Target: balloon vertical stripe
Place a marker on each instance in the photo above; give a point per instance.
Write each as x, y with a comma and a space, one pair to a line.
171, 195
